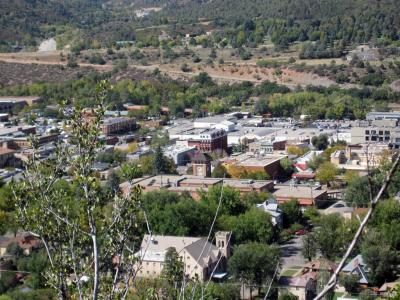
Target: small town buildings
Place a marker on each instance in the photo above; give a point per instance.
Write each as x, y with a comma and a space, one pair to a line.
375, 115
387, 290
360, 157
200, 258
271, 207
201, 164
180, 154
267, 146
193, 184
7, 103
303, 286
307, 195
24, 240
270, 164
363, 53
340, 208
7, 158
116, 125
357, 266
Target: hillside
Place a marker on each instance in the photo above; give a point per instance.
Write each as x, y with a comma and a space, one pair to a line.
284, 21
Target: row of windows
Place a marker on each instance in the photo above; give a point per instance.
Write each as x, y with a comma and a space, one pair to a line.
375, 138
380, 132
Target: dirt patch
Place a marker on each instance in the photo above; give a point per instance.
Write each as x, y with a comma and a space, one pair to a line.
16, 73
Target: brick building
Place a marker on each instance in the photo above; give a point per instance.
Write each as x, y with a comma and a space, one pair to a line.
117, 125
210, 141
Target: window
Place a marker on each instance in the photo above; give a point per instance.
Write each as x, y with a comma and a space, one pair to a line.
366, 131
223, 244
380, 132
367, 138
387, 132
373, 138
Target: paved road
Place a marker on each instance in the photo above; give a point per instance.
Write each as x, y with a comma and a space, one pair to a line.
291, 253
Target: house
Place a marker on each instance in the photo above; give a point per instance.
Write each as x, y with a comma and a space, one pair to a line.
340, 208
271, 207
303, 286
200, 258
307, 195
364, 53
25, 240
7, 103
357, 266
7, 157
193, 184
386, 290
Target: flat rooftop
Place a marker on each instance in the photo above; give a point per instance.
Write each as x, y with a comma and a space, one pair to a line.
297, 191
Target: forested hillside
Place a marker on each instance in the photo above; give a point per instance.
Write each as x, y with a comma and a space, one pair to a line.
298, 20
283, 21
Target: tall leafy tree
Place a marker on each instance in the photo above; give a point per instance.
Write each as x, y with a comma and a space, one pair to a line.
88, 235
253, 263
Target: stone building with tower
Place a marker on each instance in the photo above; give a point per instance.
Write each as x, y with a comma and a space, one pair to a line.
201, 259
201, 164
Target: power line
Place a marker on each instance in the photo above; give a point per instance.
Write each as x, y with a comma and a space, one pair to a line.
332, 281
209, 234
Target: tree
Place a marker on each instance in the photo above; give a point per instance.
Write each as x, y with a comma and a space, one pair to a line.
287, 296
83, 230
7, 209
231, 204
367, 295
291, 212
253, 263
333, 234
130, 171
252, 226
287, 165
159, 161
173, 271
357, 192
310, 246
320, 142
113, 183
350, 283
326, 172
219, 172
380, 258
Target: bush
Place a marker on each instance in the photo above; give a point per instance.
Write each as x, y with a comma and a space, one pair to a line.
97, 59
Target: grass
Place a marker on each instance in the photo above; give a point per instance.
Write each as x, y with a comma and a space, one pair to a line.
289, 273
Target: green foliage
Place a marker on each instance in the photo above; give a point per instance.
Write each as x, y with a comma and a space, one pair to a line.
253, 263
222, 291
380, 258
350, 283
172, 271
320, 142
333, 235
252, 226
291, 212
231, 204
130, 171
310, 246
81, 226
219, 172
287, 296
327, 172
171, 214
357, 193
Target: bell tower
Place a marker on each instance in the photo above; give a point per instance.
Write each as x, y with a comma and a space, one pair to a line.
222, 239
